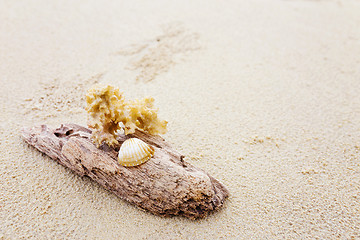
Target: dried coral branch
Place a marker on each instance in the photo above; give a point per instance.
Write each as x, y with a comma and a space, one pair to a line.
107, 108
143, 116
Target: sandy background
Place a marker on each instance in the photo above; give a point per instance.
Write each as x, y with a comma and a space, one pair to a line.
263, 95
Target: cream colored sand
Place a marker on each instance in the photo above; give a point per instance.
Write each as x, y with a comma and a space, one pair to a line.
263, 95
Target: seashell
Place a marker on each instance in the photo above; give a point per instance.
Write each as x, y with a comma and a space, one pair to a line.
134, 152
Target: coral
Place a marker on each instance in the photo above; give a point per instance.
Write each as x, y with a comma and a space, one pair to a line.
142, 115
107, 108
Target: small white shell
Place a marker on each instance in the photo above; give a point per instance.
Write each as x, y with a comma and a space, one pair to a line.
134, 152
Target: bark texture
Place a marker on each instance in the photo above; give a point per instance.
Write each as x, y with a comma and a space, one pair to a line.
165, 185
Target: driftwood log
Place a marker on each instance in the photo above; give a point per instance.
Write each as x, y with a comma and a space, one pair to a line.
165, 185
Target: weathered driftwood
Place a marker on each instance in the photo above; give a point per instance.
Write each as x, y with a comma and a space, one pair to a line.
165, 185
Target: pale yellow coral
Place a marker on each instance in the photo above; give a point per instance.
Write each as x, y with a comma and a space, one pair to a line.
142, 115
107, 108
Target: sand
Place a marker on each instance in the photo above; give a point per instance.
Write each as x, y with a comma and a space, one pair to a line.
263, 95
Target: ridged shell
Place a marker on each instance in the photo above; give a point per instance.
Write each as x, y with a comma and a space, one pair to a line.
134, 152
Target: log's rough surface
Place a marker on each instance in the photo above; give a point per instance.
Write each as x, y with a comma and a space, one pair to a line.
165, 185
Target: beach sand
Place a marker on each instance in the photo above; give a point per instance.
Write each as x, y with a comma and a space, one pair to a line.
263, 95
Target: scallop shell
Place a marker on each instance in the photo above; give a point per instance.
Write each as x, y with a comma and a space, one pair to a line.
134, 152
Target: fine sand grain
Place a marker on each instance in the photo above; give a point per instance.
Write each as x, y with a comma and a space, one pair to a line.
263, 95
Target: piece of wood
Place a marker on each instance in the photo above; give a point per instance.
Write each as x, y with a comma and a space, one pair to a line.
165, 185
